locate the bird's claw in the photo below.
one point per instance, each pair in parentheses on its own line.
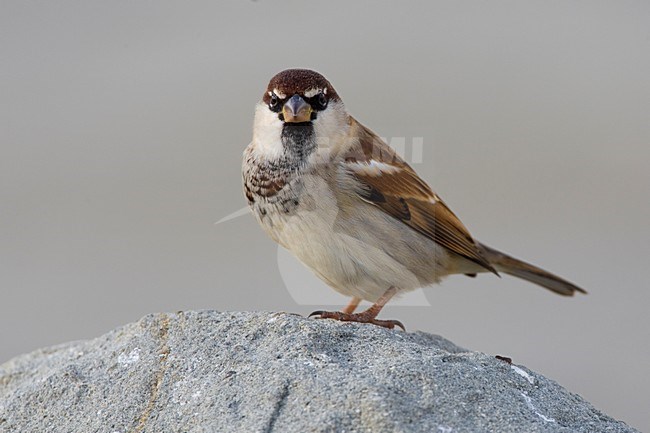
(358,317)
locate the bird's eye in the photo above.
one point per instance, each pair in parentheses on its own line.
(321,101)
(274,102)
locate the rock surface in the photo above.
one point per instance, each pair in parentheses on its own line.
(276,372)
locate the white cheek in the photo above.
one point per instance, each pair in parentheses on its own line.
(331,127)
(267,131)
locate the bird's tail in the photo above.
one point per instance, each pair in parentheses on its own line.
(517,268)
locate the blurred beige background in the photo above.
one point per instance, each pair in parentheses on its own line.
(123,123)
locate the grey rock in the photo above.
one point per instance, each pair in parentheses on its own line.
(262,372)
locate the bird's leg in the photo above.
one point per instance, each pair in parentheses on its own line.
(367,316)
(354,303)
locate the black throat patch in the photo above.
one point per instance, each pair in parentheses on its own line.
(298,140)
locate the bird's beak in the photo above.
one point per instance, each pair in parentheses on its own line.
(296,110)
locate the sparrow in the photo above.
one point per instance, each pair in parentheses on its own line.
(341,200)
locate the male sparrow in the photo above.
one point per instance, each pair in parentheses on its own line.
(344,203)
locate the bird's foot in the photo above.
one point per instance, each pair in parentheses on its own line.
(363,317)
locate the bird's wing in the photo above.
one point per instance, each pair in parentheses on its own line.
(388,182)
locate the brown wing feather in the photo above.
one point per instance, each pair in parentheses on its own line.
(400,192)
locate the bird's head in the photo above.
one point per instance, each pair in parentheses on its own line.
(299,109)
